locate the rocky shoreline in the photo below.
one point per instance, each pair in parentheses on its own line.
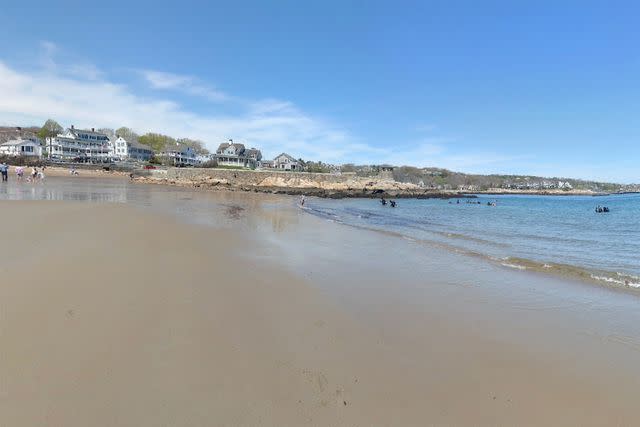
(348,189)
(371,192)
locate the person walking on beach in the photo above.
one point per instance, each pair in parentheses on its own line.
(19,172)
(302,199)
(4,170)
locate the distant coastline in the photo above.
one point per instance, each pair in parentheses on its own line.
(320,185)
(323,185)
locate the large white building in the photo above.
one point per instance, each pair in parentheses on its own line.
(22,147)
(121,149)
(80,145)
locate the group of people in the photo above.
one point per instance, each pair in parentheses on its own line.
(602,209)
(20,173)
(384,202)
(474,202)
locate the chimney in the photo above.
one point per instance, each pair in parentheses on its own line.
(93,129)
(72,127)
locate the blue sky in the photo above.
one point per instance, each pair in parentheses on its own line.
(549,88)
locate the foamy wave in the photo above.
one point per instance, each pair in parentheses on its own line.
(516,266)
(624,280)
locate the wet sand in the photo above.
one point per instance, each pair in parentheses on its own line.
(112,315)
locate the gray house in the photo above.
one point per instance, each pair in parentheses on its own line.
(287,162)
(233,154)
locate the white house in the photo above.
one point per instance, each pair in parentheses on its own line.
(286,162)
(203,158)
(233,154)
(122,149)
(84,145)
(21,147)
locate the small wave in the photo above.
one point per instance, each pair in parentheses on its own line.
(601,277)
(624,281)
(516,266)
(452,235)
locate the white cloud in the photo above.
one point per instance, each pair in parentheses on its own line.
(88,100)
(186,84)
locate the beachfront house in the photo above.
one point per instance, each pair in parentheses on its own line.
(234,154)
(180,156)
(22,147)
(121,149)
(80,145)
(203,158)
(266,164)
(286,162)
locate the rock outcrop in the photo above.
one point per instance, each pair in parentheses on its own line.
(295,183)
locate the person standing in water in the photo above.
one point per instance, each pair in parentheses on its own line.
(4,170)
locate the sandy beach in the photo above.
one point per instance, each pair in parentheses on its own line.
(112,315)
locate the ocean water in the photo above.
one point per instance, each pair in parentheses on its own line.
(554,234)
(560,235)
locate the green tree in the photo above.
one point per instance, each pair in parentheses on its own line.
(127,134)
(197,146)
(49,129)
(157,141)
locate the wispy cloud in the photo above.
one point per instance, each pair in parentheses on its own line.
(85,97)
(187,84)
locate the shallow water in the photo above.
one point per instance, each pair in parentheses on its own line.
(563,234)
(560,235)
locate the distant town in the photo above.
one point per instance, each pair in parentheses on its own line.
(54,144)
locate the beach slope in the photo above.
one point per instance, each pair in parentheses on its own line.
(111,316)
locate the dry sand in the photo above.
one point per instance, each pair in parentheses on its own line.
(114,317)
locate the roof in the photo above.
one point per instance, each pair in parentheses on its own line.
(287,156)
(19,141)
(253,152)
(225,145)
(87,131)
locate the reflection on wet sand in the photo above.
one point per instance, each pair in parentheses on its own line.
(218,209)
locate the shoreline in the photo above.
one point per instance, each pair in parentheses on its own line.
(297,185)
(614,280)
